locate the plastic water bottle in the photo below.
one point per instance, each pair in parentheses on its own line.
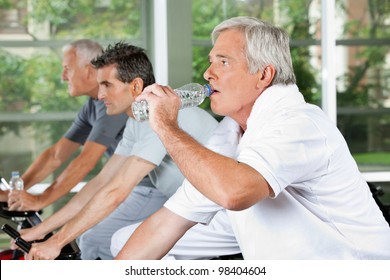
(191,95)
(16,183)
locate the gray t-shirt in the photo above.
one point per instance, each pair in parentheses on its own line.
(141,141)
(93,124)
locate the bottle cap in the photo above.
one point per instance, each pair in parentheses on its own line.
(209,90)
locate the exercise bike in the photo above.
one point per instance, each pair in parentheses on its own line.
(28,219)
(377,192)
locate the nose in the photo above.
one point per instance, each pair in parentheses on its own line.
(101,94)
(207,75)
(64,76)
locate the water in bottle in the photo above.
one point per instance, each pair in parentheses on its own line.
(16,182)
(191,95)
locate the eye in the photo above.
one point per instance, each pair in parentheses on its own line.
(104,84)
(224,62)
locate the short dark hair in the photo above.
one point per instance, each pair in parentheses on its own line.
(131,62)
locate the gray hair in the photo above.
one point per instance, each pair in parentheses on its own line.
(265,45)
(86,50)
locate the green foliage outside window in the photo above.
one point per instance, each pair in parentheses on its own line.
(33,85)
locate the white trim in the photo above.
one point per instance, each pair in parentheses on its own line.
(39,188)
(160,41)
(377,176)
(328,52)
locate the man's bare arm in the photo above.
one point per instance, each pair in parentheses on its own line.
(227,182)
(70,177)
(100,206)
(155,236)
(74,206)
(48,161)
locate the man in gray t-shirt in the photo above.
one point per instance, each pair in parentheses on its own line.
(92,124)
(123,72)
(93,129)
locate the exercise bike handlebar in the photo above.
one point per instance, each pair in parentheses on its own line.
(28,219)
(69,252)
(22,244)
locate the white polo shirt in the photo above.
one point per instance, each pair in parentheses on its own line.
(322,209)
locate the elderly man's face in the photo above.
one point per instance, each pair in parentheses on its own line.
(236,89)
(81,78)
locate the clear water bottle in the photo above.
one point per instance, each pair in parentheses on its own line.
(16,183)
(191,95)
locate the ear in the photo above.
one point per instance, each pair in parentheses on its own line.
(136,86)
(91,71)
(266,76)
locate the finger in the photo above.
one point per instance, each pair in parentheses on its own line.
(11,195)
(154,89)
(28,256)
(11,205)
(169,91)
(33,254)
(14,196)
(143,95)
(13,245)
(166,91)
(15,206)
(148,88)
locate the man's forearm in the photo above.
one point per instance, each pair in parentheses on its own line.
(225,181)
(63,215)
(68,179)
(47,162)
(42,167)
(188,153)
(113,184)
(154,238)
(3,196)
(99,207)
(71,209)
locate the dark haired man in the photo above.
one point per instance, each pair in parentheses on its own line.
(123,72)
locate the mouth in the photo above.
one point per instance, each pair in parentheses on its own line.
(213,90)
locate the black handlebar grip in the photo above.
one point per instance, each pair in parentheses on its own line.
(10,231)
(22,244)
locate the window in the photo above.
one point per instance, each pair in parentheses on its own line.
(362,70)
(35,108)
